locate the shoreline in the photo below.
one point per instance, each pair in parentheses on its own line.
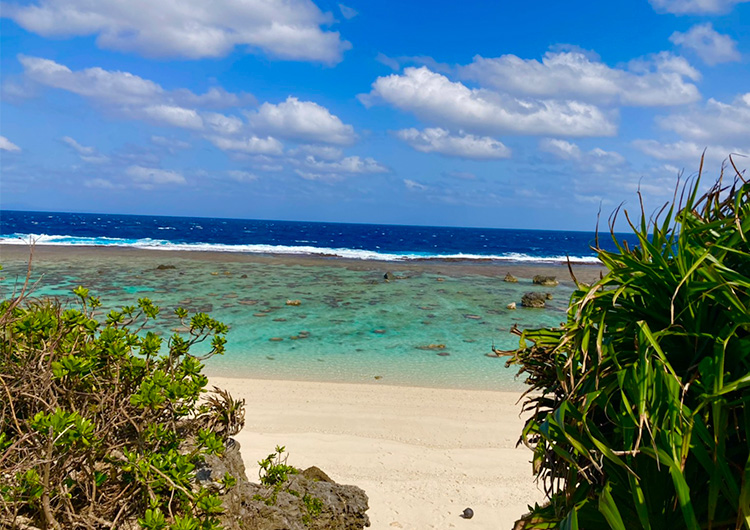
(449,267)
(422,455)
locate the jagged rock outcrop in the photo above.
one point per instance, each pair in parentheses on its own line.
(307,500)
(510,278)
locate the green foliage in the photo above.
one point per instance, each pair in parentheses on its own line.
(638,415)
(102,421)
(274,469)
(274,473)
(314,507)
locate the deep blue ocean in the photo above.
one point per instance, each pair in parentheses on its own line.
(358,241)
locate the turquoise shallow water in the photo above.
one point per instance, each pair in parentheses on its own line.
(350,326)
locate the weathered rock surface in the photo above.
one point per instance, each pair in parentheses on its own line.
(547,281)
(308,500)
(510,278)
(533,300)
(388,276)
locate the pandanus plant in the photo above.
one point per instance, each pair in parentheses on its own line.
(637,404)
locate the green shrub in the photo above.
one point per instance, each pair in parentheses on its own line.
(102,423)
(638,415)
(273,470)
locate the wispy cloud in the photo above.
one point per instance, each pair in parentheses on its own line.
(708,44)
(7,145)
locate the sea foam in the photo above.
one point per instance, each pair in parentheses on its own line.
(304,250)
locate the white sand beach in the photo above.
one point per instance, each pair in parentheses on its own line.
(422,455)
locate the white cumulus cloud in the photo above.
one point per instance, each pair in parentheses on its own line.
(173,115)
(718,128)
(116,87)
(302,120)
(435,98)
(560,148)
(662,79)
(711,46)
(223,124)
(7,145)
(251,145)
(437,140)
(193,29)
(715,122)
(695,7)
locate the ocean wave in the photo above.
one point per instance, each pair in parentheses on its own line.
(347,253)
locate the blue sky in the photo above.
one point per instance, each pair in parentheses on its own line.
(473,113)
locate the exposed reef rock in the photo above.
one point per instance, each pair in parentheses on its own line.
(533,300)
(307,500)
(546,281)
(510,278)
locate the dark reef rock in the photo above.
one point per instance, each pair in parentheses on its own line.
(510,278)
(546,281)
(307,500)
(165,267)
(388,276)
(533,300)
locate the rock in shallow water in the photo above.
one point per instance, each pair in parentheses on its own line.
(533,300)
(547,281)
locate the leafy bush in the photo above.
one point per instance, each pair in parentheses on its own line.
(100,424)
(638,403)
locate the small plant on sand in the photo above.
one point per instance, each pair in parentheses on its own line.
(102,423)
(640,403)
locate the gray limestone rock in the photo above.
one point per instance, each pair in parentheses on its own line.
(308,500)
(533,300)
(546,281)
